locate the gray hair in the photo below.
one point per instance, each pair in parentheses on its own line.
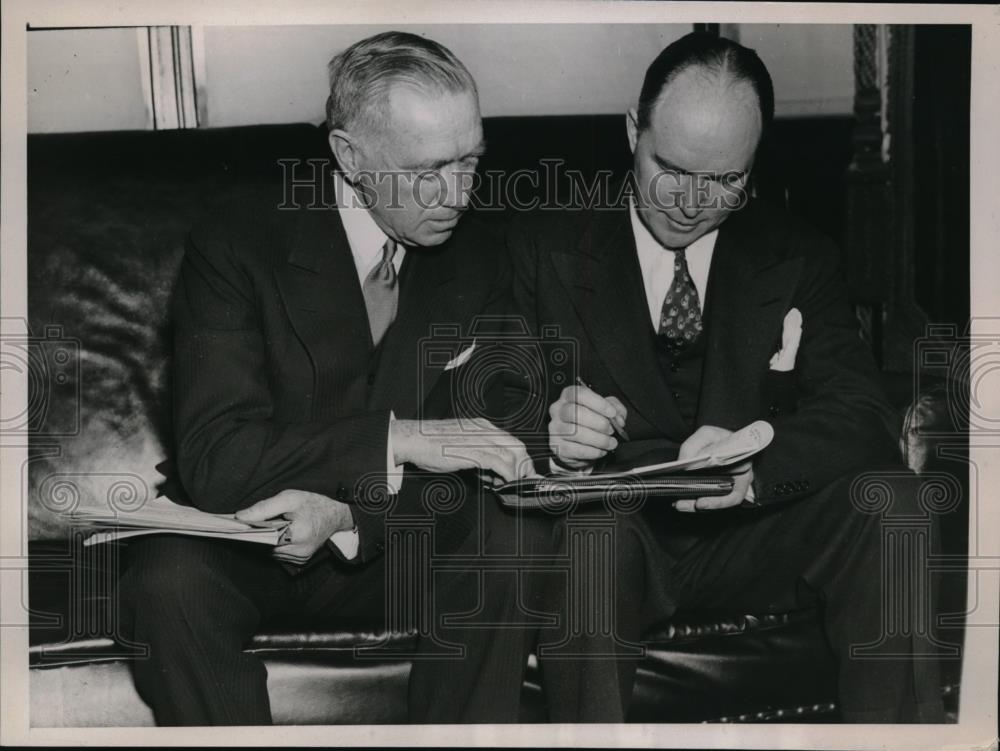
(361,76)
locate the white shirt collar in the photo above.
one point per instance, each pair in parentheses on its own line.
(364,236)
(657,264)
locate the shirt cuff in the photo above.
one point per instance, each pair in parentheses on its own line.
(393,471)
(560,471)
(347,541)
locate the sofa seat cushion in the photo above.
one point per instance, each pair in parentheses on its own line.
(695,667)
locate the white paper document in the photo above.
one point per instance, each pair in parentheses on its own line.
(161,515)
(737,448)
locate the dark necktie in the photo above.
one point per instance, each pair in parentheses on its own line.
(680,316)
(381,293)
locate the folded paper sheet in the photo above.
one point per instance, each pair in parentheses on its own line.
(162,516)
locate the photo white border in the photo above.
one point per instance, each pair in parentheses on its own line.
(978,709)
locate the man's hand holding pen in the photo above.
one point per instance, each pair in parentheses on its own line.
(583,426)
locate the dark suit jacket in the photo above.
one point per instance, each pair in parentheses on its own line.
(276,384)
(580,271)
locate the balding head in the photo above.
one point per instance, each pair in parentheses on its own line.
(712,119)
(718,61)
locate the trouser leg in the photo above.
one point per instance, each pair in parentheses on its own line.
(881,604)
(845,554)
(614,588)
(196,603)
(470,664)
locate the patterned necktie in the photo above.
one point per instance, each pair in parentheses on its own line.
(381,293)
(680,316)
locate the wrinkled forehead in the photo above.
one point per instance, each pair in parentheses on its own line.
(419,105)
(421,118)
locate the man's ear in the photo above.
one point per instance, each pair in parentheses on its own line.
(632,127)
(345,151)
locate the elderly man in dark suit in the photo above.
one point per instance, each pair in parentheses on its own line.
(680,299)
(300,393)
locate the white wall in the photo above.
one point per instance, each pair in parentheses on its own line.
(278,74)
(85,79)
(92,79)
(812,66)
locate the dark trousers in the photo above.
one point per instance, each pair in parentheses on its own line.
(197,603)
(581,589)
(859,552)
(503,594)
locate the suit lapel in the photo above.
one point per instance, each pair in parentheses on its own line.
(322,296)
(604,282)
(749,292)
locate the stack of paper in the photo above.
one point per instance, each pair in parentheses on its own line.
(162,516)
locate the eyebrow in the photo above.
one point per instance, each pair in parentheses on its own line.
(476,153)
(671,167)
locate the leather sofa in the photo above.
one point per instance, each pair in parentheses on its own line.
(107,215)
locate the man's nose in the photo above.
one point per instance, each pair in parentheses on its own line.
(456,187)
(689,206)
(693,199)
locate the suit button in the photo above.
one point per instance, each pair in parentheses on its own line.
(379,547)
(341,492)
(773,410)
(371,379)
(674,367)
(675,395)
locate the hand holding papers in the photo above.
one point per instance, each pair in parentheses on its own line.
(163,516)
(673,479)
(733,449)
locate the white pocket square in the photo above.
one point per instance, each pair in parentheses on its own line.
(791,334)
(461,358)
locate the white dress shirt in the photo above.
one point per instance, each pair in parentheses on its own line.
(657,264)
(364,236)
(367,240)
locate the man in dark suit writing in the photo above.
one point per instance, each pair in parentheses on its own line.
(678,300)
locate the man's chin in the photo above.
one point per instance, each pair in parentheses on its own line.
(429,238)
(671,239)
